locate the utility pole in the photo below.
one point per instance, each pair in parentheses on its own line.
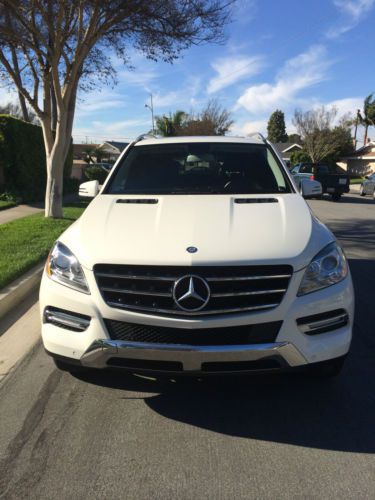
(151,108)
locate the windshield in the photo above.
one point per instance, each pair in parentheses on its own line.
(199,168)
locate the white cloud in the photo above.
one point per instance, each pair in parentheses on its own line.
(231,69)
(348,105)
(181,98)
(142,78)
(352,12)
(301,72)
(249,127)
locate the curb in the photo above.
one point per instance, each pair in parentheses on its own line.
(14,294)
(354,188)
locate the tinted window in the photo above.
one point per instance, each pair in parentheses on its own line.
(202,168)
(306,169)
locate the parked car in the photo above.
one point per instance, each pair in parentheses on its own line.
(197,256)
(333,182)
(368,186)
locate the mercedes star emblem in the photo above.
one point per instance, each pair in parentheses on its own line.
(191,293)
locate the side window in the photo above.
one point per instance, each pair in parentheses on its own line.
(295,170)
(305,169)
(276,171)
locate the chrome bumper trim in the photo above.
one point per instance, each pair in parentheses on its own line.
(59,318)
(333,322)
(191,357)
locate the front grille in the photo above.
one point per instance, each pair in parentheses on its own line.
(234,289)
(262,333)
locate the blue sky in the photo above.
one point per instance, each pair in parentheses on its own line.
(278,54)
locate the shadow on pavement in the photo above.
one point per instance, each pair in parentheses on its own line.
(292,408)
(349,198)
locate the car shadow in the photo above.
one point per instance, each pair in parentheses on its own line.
(352,199)
(293,408)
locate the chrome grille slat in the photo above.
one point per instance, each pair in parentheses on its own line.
(135,292)
(135,277)
(197,313)
(234,289)
(249,278)
(242,294)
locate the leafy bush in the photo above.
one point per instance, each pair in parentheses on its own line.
(299,157)
(11,197)
(96,174)
(22,158)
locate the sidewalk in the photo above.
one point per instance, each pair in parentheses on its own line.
(18,212)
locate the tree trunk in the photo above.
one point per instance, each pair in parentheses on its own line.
(25,113)
(365,137)
(54,188)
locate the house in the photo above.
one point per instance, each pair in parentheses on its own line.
(361,162)
(111,150)
(82,153)
(285,149)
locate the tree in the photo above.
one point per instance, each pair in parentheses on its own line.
(299,156)
(294,138)
(212,120)
(170,126)
(17,111)
(368,117)
(323,140)
(61,46)
(276,127)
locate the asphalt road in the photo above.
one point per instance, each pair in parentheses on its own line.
(113,436)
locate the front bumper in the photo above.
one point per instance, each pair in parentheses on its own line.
(156,357)
(292,347)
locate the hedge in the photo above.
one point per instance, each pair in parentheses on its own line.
(22,159)
(96,174)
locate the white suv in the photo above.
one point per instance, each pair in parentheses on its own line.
(198,255)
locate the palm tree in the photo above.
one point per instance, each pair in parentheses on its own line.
(368,118)
(170,126)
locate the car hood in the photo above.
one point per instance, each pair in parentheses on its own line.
(224,229)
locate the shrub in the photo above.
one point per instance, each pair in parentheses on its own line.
(96,174)
(22,158)
(299,157)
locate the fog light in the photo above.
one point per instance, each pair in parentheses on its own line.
(66,319)
(323,322)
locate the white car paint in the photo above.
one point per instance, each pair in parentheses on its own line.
(226,233)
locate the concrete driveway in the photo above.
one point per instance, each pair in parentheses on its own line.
(118,436)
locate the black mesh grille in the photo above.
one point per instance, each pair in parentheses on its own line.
(233,289)
(238,335)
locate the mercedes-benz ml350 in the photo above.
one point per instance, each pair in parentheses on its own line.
(198,255)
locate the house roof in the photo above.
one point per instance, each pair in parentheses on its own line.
(80,149)
(285,149)
(120,146)
(366,152)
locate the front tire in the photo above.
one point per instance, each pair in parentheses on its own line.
(362,191)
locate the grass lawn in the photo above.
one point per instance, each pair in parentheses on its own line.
(27,241)
(357,180)
(6,204)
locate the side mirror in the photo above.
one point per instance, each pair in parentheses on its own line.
(310,189)
(89,189)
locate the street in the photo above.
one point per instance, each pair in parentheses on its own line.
(117,435)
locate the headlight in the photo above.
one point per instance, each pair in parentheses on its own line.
(327,268)
(62,266)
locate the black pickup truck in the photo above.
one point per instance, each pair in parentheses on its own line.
(333,182)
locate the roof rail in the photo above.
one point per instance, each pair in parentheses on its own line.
(258,135)
(143,137)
